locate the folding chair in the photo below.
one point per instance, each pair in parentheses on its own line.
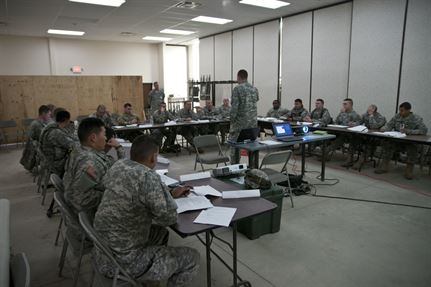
(25,124)
(278,177)
(208,151)
(80,246)
(59,187)
(20,270)
(6,125)
(120,273)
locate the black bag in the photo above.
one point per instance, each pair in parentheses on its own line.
(298,185)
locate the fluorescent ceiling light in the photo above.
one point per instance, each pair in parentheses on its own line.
(113,3)
(272,4)
(65,32)
(176,32)
(211,20)
(160,39)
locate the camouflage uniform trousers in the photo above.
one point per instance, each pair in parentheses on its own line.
(353,141)
(390,147)
(234,152)
(169,133)
(177,264)
(209,129)
(188,132)
(224,130)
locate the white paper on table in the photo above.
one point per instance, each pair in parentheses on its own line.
(170,123)
(392,134)
(216,216)
(132,125)
(270,142)
(192,203)
(241,193)
(203,121)
(305,123)
(161,171)
(120,140)
(161,159)
(126,145)
(239,180)
(194,176)
(206,190)
(338,126)
(167,180)
(360,128)
(146,126)
(117,127)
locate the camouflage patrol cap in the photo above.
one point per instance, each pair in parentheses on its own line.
(257,179)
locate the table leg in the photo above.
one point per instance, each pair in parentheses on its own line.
(322,172)
(208,254)
(234,251)
(253,159)
(302,159)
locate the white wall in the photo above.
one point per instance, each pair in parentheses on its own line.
(175,67)
(55,56)
(242,52)
(416,69)
(206,57)
(222,65)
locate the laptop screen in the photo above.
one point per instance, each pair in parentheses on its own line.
(282,130)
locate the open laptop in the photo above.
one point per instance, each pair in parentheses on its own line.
(284,132)
(246,135)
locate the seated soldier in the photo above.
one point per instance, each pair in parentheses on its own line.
(320,115)
(56,142)
(210,113)
(186,114)
(276,111)
(87,165)
(132,218)
(102,114)
(223,113)
(161,116)
(298,113)
(346,117)
(405,122)
(373,120)
(128,118)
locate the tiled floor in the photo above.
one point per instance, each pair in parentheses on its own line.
(323,241)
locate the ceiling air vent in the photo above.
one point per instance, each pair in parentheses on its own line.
(187,5)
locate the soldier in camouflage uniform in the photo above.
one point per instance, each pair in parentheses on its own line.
(320,115)
(29,154)
(373,120)
(243,114)
(210,113)
(127,118)
(409,123)
(346,117)
(102,114)
(156,96)
(186,114)
(56,142)
(298,113)
(132,218)
(86,166)
(223,113)
(276,111)
(161,116)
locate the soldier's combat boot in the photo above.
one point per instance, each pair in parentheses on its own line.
(383,168)
(408,173)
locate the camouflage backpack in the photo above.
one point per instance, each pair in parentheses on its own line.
(256,179)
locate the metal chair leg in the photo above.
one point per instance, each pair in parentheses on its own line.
(58,231)
(62,257)
(78,265)
(45,187)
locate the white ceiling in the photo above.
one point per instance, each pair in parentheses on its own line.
(141,17)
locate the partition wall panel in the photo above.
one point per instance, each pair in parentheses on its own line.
(242,52)
(223,65)
(206,57)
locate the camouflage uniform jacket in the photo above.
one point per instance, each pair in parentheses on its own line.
(243,113)
(200,115)
(56,143)
(134,199)
(298,114)
(156,97)
(210,114)
(413,124)
(374,122)
(106,119)
(81,191)
(126,119)
(36,128)
(277,113)
(223,112)
(184,114)
(162,117)
(321,116)
(344,118)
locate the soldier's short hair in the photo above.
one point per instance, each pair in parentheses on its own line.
(62,116)
(162,103)
(298,101)
(320,100)
(100,107)
(406,105)
(243,74)
(143,147)
(43,109)
(374,107)
(276,101)
(89,126)
(126,105)
(56,110)
(348,100)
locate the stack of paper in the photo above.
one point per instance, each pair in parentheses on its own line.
(360,128)
(171,123)
(195,176)
(269,142)
(168,180)
(241,193)
(338,126)
(192,203)
(392,134)
(161,171)
(206,190)
(161,159)
(216,216)
(146,126)
(132,125)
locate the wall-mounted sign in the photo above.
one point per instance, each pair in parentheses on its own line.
(76,69)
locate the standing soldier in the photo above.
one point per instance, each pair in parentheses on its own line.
(243,114)
(162,116)
(411,124)
(156,96)
(277,111)
(223,113)
(298,113)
